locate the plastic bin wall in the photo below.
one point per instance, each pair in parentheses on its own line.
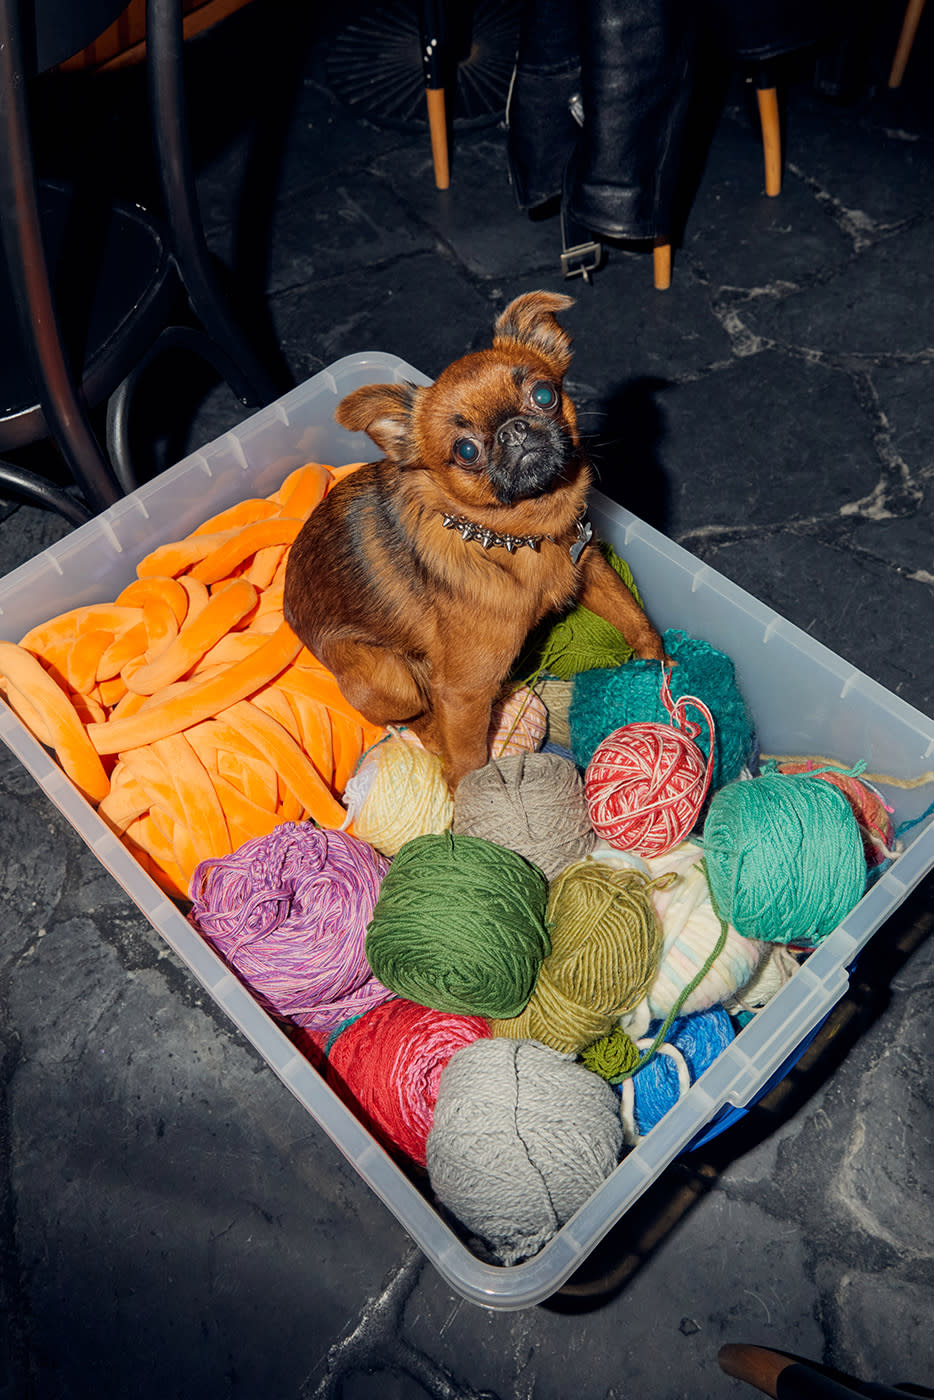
(804,700)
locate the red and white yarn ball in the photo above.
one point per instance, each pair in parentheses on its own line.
(518,724)
(644,787)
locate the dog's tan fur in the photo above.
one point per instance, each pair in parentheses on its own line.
(420,626)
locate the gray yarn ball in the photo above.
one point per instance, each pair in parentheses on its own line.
(521,1137)
(531,803)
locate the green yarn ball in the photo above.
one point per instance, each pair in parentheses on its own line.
(613,1056)
(580,640)
(784,857)
(459,926)
(605,700)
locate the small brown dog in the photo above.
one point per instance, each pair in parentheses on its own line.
(418,578)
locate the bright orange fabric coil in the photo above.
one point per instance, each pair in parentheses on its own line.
(187,711)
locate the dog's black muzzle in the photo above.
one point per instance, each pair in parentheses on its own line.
(527,458)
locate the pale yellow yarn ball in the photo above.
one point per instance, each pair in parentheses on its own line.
(396,794)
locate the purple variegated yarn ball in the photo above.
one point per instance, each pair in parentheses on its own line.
(289,913)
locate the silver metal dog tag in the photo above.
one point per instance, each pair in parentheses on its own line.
(584,536)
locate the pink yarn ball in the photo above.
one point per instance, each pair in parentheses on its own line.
(644,787)
(518,724)
(289,913)
(387,1065)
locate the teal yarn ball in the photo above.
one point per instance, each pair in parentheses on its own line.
(459,926)
(784,857)
(605,700)
(521,1137)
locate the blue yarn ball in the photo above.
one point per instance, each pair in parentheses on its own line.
(697,1041)
(605,700)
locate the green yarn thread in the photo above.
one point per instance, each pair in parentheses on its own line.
(784,857)
(459,926)
(616,1062)
(580,640)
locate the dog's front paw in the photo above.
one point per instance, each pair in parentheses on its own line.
(650,647)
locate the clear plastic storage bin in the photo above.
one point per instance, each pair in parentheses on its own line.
(803,698)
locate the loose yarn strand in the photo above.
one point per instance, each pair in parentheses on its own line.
(526,701)
(832,765)
(672,1016)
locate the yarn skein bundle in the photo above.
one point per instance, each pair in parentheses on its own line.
(646,783)
(784,857)
(460,926)
(606,700)
(522,1136)
(605,947)
(289,912)
(530,803)
(556,697)
(872,815)
(692,1045)
(518,724)
(778,965)
(691,930)
(396,794)
(387,1065)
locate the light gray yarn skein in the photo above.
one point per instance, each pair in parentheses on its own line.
(531,803)
(522,1136)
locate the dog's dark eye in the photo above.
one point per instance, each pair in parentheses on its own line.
(466,451)
(544,395)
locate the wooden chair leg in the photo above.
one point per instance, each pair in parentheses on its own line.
(905,40)
(758,1366)
(438,130)
(435,62)
(777,1372)
(771,139)
(661,260)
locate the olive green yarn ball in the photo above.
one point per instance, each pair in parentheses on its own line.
(580,640)
(459,926)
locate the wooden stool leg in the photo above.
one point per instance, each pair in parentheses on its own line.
(771,139)
(905,40)
(661,260)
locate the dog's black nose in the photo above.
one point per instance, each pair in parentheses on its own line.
(513,433)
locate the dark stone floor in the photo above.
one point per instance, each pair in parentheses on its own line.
(172,1222)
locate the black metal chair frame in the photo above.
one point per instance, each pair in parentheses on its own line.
(63,401)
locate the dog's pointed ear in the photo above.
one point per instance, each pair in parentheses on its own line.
(384,411)
(530,320)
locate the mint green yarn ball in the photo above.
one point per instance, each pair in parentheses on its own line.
(784,857)
(459,926)
(603,701)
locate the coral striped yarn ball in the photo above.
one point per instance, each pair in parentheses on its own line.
(645,786)
(388,1062)
(869,809)
(518,724)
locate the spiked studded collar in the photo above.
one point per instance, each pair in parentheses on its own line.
(492,539)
